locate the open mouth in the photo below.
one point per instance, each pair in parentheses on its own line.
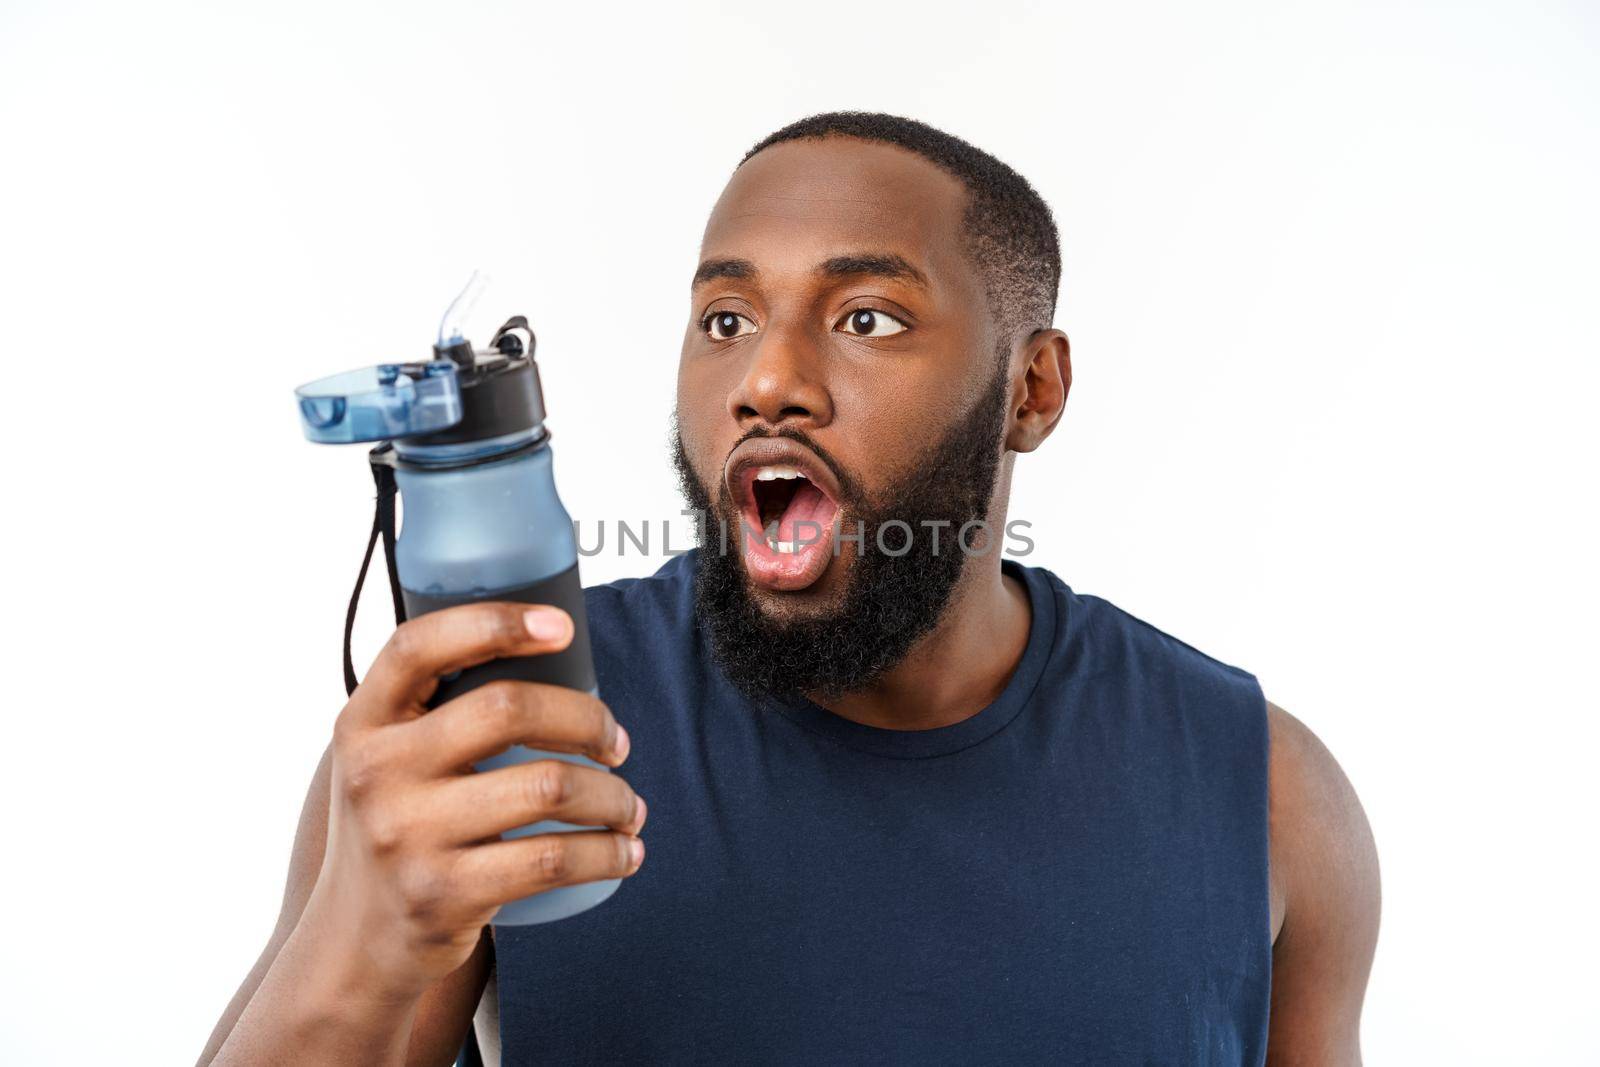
(788,509)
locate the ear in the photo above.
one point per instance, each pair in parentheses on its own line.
(1039,395)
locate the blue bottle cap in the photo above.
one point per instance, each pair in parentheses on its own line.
(382,402)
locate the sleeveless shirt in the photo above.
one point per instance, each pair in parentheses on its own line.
(1077,873)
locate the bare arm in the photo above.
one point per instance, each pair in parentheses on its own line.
(380,953)
(1325,870)
(445,1011)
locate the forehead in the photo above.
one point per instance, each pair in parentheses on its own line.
(800,202)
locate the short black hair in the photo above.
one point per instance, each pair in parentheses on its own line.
(1011,235)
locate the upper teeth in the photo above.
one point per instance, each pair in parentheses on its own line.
(768,474)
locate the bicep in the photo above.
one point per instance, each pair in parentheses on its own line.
(1325,860)
(446,1010)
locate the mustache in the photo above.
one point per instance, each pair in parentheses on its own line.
(848,486)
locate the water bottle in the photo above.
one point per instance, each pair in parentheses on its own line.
(465,435)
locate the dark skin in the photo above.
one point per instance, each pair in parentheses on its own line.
(870,401)
(386,901)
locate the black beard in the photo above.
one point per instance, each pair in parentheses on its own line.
(889,602)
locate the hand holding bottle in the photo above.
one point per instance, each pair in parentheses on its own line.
(414,865)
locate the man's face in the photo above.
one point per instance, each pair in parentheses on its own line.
(842,308)
(839,333)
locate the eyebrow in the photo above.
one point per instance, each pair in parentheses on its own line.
(873,264)
(723,268)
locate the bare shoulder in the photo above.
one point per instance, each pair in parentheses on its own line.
(1326,899)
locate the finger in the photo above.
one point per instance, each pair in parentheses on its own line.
(493,717)
(475,806)
(502,871)
(408,667)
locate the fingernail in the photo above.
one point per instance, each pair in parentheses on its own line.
(545,625)
(624,743)
(636,850)
(640,811)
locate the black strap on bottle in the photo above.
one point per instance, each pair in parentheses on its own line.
(381,460)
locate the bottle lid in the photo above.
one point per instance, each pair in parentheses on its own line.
(381,402)
(499,395)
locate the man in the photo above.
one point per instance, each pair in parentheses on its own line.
(908,801)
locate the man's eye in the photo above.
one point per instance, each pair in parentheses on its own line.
(724,325)
(869,323)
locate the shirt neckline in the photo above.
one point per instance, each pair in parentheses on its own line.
(946,740)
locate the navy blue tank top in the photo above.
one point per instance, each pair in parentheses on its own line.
(1075,874)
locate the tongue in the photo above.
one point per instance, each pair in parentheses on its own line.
(808,516)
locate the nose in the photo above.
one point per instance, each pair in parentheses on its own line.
(783,385)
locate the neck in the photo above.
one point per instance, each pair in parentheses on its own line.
(961,666)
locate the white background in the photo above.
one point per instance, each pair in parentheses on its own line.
(1329,275)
